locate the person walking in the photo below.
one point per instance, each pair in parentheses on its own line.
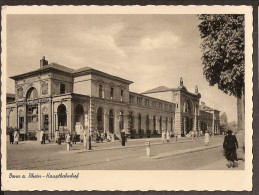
(41,136)
(176,135)
(16,136)
(123,138)
(163,136)
(74,137)
(11,136)
(230,146)
(207,138)
(56,136)
(167,136)
(68,141)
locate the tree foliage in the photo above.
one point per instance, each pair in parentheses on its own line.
(223,119)
(223,51)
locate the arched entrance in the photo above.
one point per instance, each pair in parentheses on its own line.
(62,116)
(111,121)
(154,123)
(31,110)
(100,119)
(79,114)
(147,122)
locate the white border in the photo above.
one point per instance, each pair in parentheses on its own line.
(138,180)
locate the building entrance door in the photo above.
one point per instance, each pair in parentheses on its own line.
(111,121)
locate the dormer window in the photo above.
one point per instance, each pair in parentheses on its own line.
(62,88)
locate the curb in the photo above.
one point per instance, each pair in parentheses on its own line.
(187,151)
(135,146)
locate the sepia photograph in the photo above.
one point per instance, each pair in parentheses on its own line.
(105,90)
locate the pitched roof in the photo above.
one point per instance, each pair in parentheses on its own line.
(205,108)
(157,89)
(58,67)
(81,69)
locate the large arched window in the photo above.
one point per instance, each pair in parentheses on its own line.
(154,123)
(139,121)
(111,121)
(79,114)
(160,124)
(62,115)
(131,121)
(32,93)
(147,122)
(100,119)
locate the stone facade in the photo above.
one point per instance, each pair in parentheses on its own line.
(55,97)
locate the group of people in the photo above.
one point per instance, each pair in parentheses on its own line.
(166,136)
(68,137)
(14,137)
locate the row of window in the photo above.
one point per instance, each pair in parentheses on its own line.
(155,104)
(101,93)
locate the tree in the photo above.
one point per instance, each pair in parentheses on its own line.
(223,119)
(223,55)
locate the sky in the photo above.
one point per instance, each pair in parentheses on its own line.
(150,50)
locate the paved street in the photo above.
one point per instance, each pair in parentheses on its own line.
(186,154)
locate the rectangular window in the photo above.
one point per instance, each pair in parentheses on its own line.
(146,102)
(100,91)
(121,95)
(154,104)
(21,122)
(131,99)
(160,105)
(62,88)
(139,100)
(112,93)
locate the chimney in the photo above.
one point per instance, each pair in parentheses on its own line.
(196,89)
(43,62)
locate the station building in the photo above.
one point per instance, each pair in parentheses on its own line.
(55,97)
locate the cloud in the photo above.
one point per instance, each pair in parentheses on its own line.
(164,40)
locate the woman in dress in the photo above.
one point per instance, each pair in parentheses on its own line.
(230,145)
(207,138)
(16,136)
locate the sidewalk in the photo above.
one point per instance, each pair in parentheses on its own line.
(222,165)
(186,151)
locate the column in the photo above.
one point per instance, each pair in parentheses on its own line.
(195,121)
(213,124)
(106,121)
(184,126)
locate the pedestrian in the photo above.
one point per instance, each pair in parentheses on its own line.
(74,137)
(207,138)
(16,136)
(41,136)
(68,141)
(192,134)
(123,138)
(56,136)
(163,136)
(176,135)
(11,136)
(230,146)
(168,136)
(44,137)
